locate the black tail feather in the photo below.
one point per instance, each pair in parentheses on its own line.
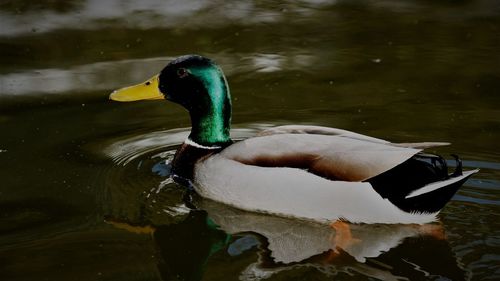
(418,171)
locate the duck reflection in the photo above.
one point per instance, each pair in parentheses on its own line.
(186,246)
(385,252)
(294,241)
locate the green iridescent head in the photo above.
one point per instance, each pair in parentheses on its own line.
(199,85)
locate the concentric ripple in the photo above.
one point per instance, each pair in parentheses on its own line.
(139,189)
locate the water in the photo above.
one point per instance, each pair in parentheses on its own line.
(84,191)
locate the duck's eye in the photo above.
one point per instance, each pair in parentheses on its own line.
(147,83)
(182,72)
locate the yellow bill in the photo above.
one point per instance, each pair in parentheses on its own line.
(147,90)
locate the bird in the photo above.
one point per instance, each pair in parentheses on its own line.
(304,172)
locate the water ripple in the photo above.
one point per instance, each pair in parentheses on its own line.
(138,183)
(488,184)
(124,151)
(482,164)
(476,200)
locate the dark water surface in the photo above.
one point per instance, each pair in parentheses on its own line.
(84,188)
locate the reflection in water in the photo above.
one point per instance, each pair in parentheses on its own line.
(112,74)
(36,16)
(144,14)
(293,243)
(88,77)
(187,245)
(384,252)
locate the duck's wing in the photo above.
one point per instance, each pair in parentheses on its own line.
(327,131)
(331,156)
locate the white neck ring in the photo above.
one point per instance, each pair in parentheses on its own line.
(195,144)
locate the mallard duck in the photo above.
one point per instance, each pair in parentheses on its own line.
(307,172)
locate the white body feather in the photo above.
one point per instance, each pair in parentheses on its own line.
(297,193)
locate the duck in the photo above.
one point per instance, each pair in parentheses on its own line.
(304,172)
